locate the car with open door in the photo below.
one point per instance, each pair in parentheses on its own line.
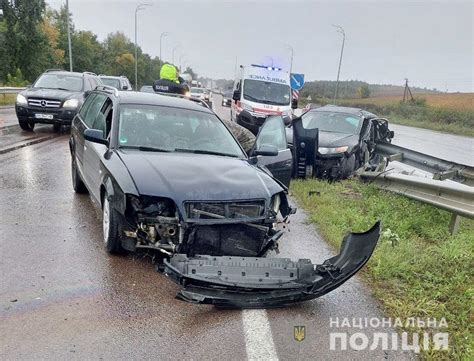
(169,176)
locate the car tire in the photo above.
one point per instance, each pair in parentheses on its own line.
(77,183)
(111,227)
(56,128)
(25,125)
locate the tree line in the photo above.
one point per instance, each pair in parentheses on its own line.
(33,38)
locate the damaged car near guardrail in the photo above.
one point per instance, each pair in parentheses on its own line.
(170,176)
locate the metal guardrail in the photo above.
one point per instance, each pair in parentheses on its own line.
(453,197)
(10,90)
(441,169)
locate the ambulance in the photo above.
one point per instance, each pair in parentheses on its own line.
(259,92)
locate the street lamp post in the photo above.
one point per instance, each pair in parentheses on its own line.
(341,31)
(137,9)
(68,35)
(162,35)
(292,52)
(172,54)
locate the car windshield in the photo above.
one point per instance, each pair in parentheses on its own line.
(197,90)
(332,122)
(60,81)
(266,92)
(111,82)
(157,128)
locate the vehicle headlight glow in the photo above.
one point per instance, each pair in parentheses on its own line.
(187,94)
(21,99)
(336,150)
(275,204)
(71,103)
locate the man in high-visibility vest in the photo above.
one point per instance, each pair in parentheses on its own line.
(169,82)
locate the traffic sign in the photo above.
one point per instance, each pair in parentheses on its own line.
(296,81)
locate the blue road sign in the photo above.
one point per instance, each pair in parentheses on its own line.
(296,81)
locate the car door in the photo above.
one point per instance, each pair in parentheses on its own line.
(273,133)
(77,132)
(89,163)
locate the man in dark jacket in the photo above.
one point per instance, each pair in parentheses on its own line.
(168,82)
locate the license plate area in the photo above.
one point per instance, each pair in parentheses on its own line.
(43,116)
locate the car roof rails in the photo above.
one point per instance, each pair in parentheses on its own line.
(89,72)
(49,70)
(196,100)
(107,89)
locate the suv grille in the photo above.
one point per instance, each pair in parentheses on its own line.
(225,210)
(44,103)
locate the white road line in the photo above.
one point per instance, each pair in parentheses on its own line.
(258,335)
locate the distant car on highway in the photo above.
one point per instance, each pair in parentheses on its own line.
(201,93)
(338,140)
(118,82)
(147,89)
(54,98)
(170,177)
(227,98)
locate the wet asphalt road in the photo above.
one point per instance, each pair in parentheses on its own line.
(62,296)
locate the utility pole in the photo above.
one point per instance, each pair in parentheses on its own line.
(341,31)
(68,35)
(291,60)
(407,91)
(162,35)
(137,9)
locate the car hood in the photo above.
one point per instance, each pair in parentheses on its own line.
(330,139)
(51,93)
(183,177)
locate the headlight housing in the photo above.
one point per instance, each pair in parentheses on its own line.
(335,150)
(71,103)
(21,99)
(275,203)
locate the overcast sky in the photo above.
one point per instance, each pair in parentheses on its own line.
(430,43)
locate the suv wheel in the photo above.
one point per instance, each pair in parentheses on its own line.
(112,227)
(26,125)
(77,183)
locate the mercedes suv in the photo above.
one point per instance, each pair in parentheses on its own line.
(54,98)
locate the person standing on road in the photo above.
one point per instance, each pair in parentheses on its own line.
(244,136)
(169,82)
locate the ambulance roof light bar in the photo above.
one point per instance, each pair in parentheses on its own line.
(266,67)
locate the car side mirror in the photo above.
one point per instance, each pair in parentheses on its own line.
(391,134)
(287,120)
(266,150)
(236,95)
(294,103)
(95,136)
(124,87)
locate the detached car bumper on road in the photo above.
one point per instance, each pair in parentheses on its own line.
(249,282)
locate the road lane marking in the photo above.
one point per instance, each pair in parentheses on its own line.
(258,335)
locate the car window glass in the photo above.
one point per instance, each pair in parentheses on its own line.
(272,133)
(87,104)
(332,122)
(59,81)
(100,122)
(175,129)
(93,83)
(94,109)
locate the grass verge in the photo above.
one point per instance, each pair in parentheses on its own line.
(7,99)
(418,269)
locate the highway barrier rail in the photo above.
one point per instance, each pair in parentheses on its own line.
(451,196)
(10,90)
(440,168)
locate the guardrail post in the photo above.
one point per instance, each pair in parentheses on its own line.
(454,224)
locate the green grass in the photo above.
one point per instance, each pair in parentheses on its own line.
(7,99)
(418,269)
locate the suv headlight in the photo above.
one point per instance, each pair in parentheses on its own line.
(335,150)
(275,203)
(71,103)
(21,99)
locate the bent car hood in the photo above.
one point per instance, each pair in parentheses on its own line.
(249,282)
(330,139)
(185,177)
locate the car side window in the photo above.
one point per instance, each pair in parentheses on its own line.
(87,104)
(93,82)
(272,133)
(103,119)
(94,109)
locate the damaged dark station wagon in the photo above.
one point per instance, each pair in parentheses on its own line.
(170,176)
